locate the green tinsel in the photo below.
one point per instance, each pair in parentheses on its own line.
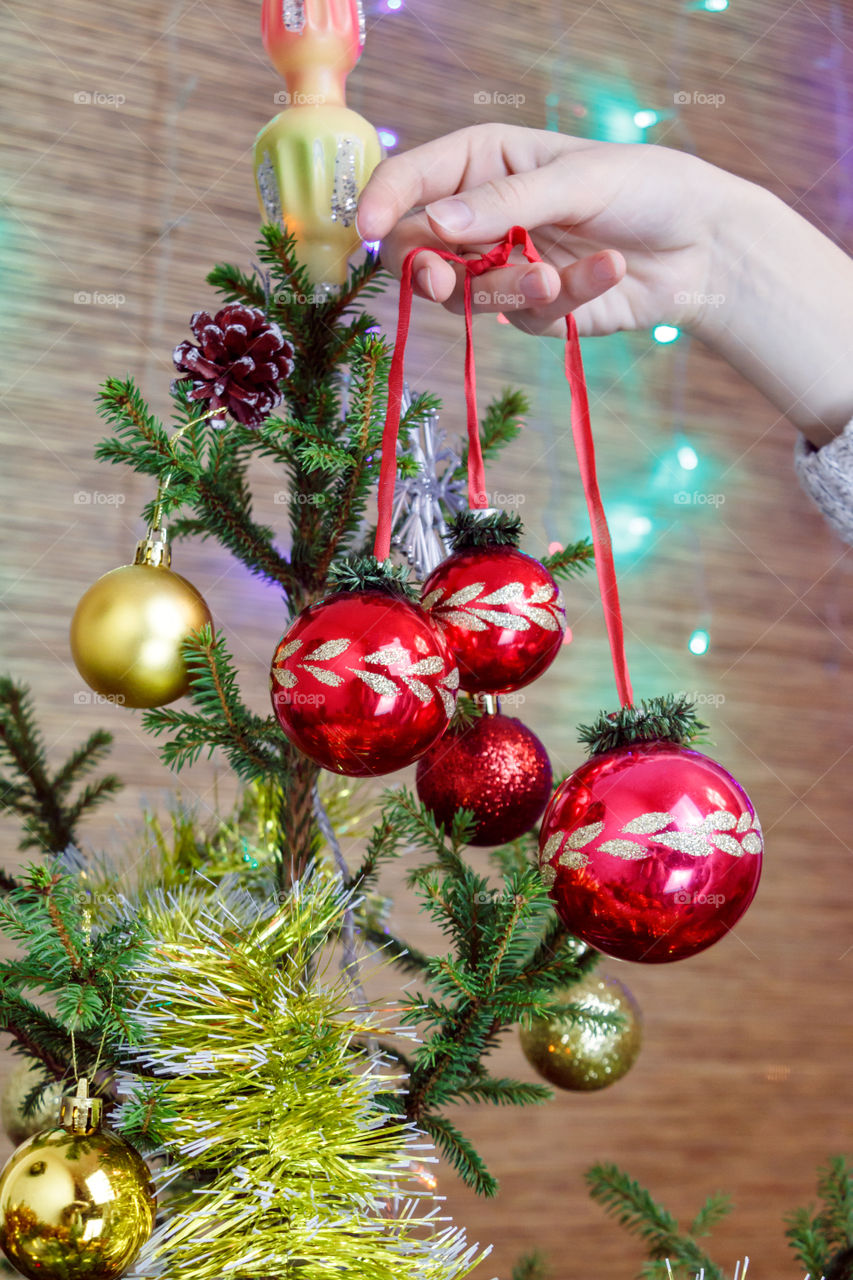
(670,718)
(366,573)
(252,1080)
(470,529)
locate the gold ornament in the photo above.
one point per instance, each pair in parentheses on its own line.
(18,1087)
(76,1201)
(575,1056)
(127,631)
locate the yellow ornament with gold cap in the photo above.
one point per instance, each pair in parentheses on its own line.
(128,630)
(76,1201)
(312,160)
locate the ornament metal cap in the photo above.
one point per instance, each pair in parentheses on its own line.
(154,548)
(78,1113)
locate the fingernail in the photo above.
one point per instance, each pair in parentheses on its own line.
(534,285)
(602,270)
(358,230)
(423,279)
(453,215)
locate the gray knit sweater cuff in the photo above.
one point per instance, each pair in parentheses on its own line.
(827,476)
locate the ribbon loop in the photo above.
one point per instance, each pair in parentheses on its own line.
(496,258)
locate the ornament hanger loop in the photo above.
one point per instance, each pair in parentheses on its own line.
(516,237)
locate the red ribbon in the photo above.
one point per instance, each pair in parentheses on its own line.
(477,498)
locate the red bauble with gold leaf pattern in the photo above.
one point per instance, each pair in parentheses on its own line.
(502,614)
(363,683)
(495,766)
(651,852)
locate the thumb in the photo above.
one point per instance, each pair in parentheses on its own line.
(560,191)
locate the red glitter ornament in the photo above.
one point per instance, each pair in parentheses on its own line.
(495,766)
(363,683)
(651,851)
(502,614)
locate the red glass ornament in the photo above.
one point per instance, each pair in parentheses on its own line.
(651,852)
(502,615)
(495,766)
(363,683)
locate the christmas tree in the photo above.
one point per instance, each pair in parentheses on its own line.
(217,1004)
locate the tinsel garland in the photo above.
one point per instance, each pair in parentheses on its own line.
(258,1087)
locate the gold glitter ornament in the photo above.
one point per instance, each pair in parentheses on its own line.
(576,1056)
(19,1085)
(76,1201)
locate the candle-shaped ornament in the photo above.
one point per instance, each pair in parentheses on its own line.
(312,160)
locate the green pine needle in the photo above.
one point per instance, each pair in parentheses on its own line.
(468,529)
(671,718)
(366,573)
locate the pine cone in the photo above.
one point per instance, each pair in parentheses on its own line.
(238,363)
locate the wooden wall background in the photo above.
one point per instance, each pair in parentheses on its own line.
(744,1082)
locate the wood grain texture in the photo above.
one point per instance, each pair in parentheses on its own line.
(744,1080)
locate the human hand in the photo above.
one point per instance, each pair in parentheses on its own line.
(626,232)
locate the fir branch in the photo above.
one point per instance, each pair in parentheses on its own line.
(222,720)
(500,425)
(459,1153)
(366,573)
(50,818)
(636,1210)
(235,286)
(671,718)
(532,1266)
(572,561)
(248,542)
(472,529)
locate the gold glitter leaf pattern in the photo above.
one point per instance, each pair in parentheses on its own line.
(464,596)
(574,859)
(464,621)
(379,684)
(578,839)
(627,849)
(284,678)
(549,875)
(451,680)
(552,844)
(331,649)
(427,667)
(324,676)
(507,621)
(728,844)
(289,650)
(647,824)
(391,655)
(694,843)
(511,592)
(719,820)
(418,688)
(699,842)
(460,610)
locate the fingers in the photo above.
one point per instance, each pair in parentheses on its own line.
(461,160)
